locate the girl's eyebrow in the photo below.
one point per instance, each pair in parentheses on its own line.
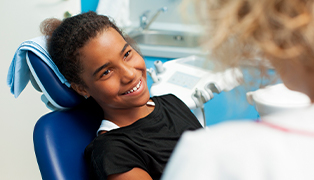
(100,68)
(124,47)
(105,65)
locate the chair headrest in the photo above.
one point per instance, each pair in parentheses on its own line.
(56,95)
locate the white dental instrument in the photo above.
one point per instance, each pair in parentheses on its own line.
(192,80)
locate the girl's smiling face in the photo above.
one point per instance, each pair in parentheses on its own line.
(113,72)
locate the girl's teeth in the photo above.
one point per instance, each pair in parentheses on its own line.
(134,89)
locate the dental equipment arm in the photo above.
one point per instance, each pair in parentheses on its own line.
(191,81)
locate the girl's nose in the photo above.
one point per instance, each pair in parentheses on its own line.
(127,74)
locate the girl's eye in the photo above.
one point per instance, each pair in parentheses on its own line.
(106,72)
(127,54)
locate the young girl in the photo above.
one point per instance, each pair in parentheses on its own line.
(139,133)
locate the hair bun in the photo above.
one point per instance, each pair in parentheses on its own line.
(48,26)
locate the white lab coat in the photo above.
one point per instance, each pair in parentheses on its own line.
(247,150)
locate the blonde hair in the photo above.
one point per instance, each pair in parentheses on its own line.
(242,31)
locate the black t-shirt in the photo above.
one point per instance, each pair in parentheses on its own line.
(146,144)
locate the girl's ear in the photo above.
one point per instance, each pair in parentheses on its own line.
(81,90)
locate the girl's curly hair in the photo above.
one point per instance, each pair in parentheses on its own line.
(66,37)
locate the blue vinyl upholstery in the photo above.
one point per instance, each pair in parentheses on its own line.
(58,92)
(60,137)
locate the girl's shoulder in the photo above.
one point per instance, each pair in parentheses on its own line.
(166,97)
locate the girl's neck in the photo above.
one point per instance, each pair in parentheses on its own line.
(126,117)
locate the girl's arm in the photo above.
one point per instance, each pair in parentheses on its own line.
(133,174)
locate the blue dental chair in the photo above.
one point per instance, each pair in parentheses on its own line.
(60,137)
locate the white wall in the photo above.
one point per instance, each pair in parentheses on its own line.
(20,21)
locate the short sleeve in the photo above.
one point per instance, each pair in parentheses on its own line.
(114,157)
